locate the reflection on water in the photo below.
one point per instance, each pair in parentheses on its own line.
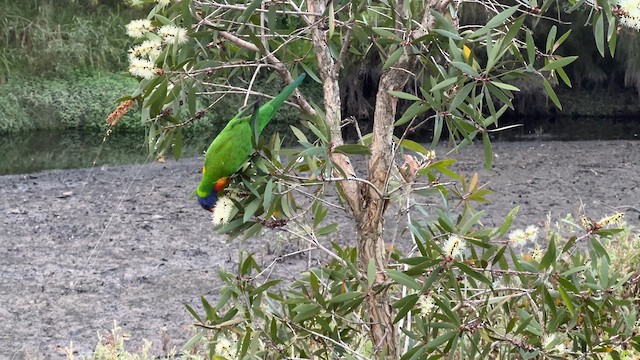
(28,152)
(567,129)
(35,151)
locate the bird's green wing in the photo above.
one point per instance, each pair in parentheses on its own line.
(232,147)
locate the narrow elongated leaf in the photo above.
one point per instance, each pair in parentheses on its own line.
(440,340)
(393,58)
(403,279)
(551,93)
(531,47)
(549,257)
(414,146)
(465,68)
(345,297)
(559,63)
(598,32)
(414,110)
(566,300)
(352,149)
(488,151)
(251,209)
(461,96)
(504,86)
(551,38)
(332,20)
(246,14)
(404,95)
(444,84)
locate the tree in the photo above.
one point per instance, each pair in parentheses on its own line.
(455,77)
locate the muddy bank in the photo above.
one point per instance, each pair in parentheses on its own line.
(81,248)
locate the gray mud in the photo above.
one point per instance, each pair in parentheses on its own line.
(82,248)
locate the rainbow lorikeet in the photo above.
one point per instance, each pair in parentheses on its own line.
(232,147)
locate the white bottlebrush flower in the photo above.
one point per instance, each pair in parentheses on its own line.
(454,246)
(222,211)
(630,16)
(426,304)
(149,49)
(518,238)
(537,253)
(137,28)
(142,68)
(532,233)
(173,34)
(430,155)
(225,348)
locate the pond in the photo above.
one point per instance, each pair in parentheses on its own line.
(40,150)
(34,151)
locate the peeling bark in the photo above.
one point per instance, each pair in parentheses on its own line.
(332,103)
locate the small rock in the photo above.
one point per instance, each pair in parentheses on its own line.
(157,217)
(16,211)
(66,194)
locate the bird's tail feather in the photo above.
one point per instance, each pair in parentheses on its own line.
(269,108)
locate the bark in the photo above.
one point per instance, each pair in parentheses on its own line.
(368,202)
(332,103)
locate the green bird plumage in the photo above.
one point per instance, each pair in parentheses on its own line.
(233,146)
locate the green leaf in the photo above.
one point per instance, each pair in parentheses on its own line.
(371,272)
(386,34)
(531,47)
(550,256)
(562,62)
(309,70)
(414,146)
(327,229)
(299,134)
(488,151)
(566,300)
(444,22)
(406,304)
(448,34)
(178,144)
(268,194)
(444,84)
(435,343)
(472,273)
(504,86)
(346,297)
(507,221)
(354,149)
(393,58)
(551,38)
(461,96)
(404,95)
(598,32)
(414,110)
(251,209)
(403,279)
(332,19)
(465,68)
(495,22)
(551,93)
(305,311)
(246,14)
(193,313)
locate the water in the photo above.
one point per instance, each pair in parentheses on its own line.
(572,129)
(33,151)
(29,152)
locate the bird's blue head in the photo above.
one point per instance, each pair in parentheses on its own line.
(208,202)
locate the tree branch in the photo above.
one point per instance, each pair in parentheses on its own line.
(332,102)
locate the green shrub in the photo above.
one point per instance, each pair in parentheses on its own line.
(81,102)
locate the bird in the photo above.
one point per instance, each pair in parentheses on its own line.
(233,146)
